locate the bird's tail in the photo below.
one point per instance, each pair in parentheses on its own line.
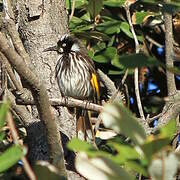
(84,127)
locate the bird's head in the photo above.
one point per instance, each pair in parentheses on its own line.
(66,44)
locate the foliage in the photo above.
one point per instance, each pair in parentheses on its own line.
(12,154)
(104,29)
(146,155)
(110,43)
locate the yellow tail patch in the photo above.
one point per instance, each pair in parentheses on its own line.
(95,85)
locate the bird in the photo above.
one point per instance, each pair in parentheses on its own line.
(77,78)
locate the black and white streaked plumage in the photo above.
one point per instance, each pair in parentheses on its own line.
(74,69)
(76,74)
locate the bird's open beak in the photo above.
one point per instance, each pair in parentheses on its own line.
(53,48)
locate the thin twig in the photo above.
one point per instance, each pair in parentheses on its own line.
(136,82)
(138,98)
(150,120)
(72,10)
(124,77)
(127,95)
(67,102)
(171,112)
(153,41)
(16,141)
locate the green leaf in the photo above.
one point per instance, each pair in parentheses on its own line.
(124,153)
(85,27)
(75,22)
(127,152)
(140,16)
(137,167)
(140,60)
(78,145)
(86,17)
(46,171)
(77,25)
(100,167)
(120,119)
(114,3)
(90,53)
(3,111)
(110,43)
(154,146)
(105,56)
(78,3)
(168,130)
(109,27)
(99,47)
(92,35)
(2,135)
(135,60)
(82,146)
(94,7)
(10,157)
(125,28)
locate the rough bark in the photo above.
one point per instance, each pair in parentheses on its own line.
(40,24)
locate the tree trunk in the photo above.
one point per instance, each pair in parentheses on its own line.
(40,24)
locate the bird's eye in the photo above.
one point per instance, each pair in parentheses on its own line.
(61,50)
(64,45)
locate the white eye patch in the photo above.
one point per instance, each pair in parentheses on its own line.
(75,47)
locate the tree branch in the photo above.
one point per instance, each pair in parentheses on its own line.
(72,10)
(113,92)
(67,102)
(9,70)
(170,112)
(40,96)
(171,109)
(171,85)
(11,27)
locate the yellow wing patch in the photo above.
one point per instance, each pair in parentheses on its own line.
(95,85)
